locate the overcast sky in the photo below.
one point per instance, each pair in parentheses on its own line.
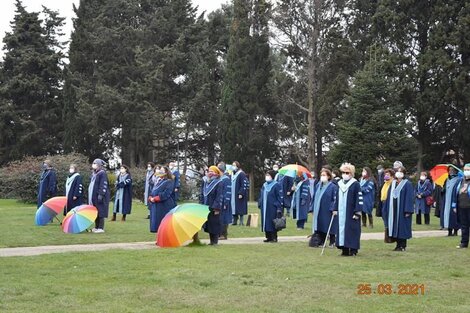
(7,11)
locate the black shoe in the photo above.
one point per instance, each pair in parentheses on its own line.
(267,240)
(399,249)
(461,246)
(274,240)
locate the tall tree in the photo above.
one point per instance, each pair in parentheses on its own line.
(31,79)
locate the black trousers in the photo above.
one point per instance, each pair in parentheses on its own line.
(401,243)
(99,223)
(271,235)
(464,218)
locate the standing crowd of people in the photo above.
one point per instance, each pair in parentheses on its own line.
(340,203)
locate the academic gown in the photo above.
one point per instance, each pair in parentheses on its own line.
(162,188)
(123,198)
(368,194)
(348,203)
(270,203)
(177,185)
(98,192)
(239,206)
(425,189)
(214,198)
(400,201)
(47,186)
(148,186)
(301,201)
(448,216)
(455,198)
(226,206)
(287,182)
(437,195)
(324,203)
(73,188)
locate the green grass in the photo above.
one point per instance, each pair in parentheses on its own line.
(18,228)
(284,277)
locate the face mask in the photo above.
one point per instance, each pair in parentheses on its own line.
(212,175)
(364,174)
(235,168)
(323,179)
(159,173)
(466,173)
(387,177)
(123,171)
(275,168)
(71,171)
(268,178)
(346,177)
(380,171)
(399,175)
(422,177)
(94,166)
(149,168)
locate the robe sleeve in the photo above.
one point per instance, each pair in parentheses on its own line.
(359,199)
(427,190)
(278,198)
(52,188)
(177,179)
(219,199)
(334,193)
(78,192)
(409,198)
(240,187)
(167,191)
(260,198)
(103,186)
(455,195)
(368,187)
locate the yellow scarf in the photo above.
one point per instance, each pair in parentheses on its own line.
(383,195)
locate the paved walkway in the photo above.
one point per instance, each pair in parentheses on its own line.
(30,251)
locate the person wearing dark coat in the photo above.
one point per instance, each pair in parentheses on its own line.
(176,181)
(160,197)
(423,190)
(98,193)
(437,195)
(214,198)
(399,208)
(47,183)
(239,196)
(270,204)
(449,216)
(324,202)
(148,185)
(380,182)
(287,184)
(348,209)
(73,189)
(226,213)
(368,192)
(461,204)
(123,197)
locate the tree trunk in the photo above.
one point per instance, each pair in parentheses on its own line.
(252,187)
(419,166)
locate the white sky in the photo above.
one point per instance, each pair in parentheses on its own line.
(7,11)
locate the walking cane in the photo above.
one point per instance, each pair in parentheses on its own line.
(327,234)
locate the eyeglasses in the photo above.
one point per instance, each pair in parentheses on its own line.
(345,172)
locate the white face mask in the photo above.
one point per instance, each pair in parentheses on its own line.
(94,166)
(122,170)
(268,178)
(466,173)
(399,175)
(422,177)
(346,177)
(364,174)
(323,179)
(275,168)
(71,171)
(235,168)
(149,168)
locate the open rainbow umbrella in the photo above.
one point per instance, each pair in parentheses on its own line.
(49,209)
(439,173)
(294,170)
(79,218)
(181,223)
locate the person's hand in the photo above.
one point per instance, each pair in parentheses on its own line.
(150,199)
(455,210)
(293,188)
(176,189)
(334,213)
(355,217)
(240,196)
(419,196)
(216,212)
(74,198)
(288,193)
(100,198)
(407,214)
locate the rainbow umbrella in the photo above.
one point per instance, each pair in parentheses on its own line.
(79,218)
(439,173)
(180,224)
(294,170)
(49,209)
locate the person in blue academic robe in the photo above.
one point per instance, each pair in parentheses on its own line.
(423,189)
(368,193)
(239,200)
(160,196)
(301,202)
(47,183)
(449,216)
(98,193)
(324,202)
(176,181)
(399,208)
(461,204)
(214,198)
(348,209)
(123,197)
(73,189)
(270,204)
(226,213)
(287,184)
(148,185)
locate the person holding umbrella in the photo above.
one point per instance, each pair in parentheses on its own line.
(348,208)
(160,197)
(47,183)
(98,194)
(73,189)
(270,204)
(214,198)
(123,197)
(399,207)
(423,190)
(323,204)
(301,201)
(461,205)
(449,216)
(239,197)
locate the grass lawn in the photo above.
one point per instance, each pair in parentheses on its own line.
(284,277)
(18,228)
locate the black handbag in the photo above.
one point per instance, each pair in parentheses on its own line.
(279,223)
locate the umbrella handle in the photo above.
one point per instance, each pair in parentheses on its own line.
(58,220)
